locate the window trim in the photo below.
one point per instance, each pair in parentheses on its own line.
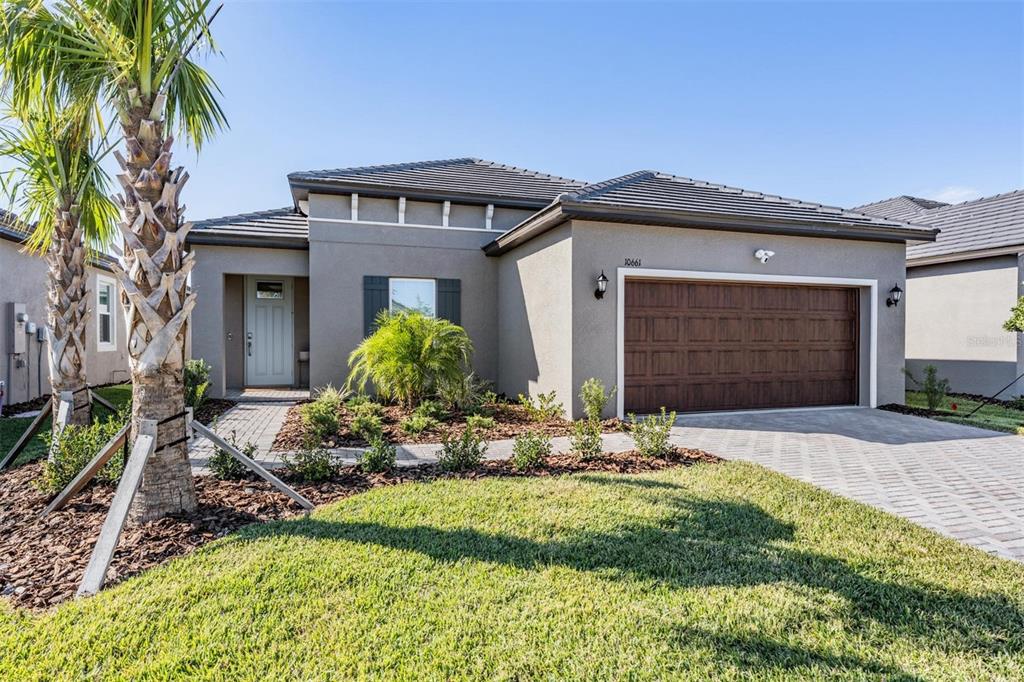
(432,281)
(101,282)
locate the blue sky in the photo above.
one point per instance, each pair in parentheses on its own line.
(837,102)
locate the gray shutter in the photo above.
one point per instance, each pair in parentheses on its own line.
(375,299)
(449,300)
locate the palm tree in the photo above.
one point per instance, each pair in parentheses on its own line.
(60,191)
(133,57)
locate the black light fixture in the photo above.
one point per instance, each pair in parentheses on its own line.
(895,294)
(602,286)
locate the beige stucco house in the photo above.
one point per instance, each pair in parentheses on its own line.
(961,287)
(716,298)
(24,369)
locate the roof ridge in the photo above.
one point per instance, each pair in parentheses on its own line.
(405,165)
(908,197)
(527,171)
(595,189)
(978,200)
(285,210)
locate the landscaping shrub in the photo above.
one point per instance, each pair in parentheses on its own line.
(416,424)
(357,399)
(1016,321)
(651,433)
(462,453)
(197,382)
(367,426)
(75,447)
(594,398)
(312,463)
(480,422)
(225,467)
(467,396)
(934,389)
(320,418)
(379,457)
(430,408)
(544,409)
(586,438)
(410,357)
(367,409)
(329,395)
(529,450)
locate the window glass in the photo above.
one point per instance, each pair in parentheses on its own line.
(272,290)
(413,295)
(105,293)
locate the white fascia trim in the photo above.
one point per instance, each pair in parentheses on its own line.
(652,273)
(378,223)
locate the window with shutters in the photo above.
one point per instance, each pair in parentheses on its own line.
(412,295)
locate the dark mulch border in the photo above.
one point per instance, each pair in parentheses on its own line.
(42,561)
(511,420)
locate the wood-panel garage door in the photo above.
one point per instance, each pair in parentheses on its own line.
(693,346)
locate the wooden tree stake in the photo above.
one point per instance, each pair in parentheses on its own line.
(27,436)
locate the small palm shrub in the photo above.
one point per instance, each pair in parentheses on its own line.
(379,457)
(367,426)
(651,434)
(75,447)
(410,357)
(585,439)
(197,382)
(594,398)
(225,467)
(544,409)
(469,396)
(529,450)
(416,424)
(311,463)
(480,422)
(430,408)
(463,453)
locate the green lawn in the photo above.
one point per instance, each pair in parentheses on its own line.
(995,417)
(711,572)
(11,429)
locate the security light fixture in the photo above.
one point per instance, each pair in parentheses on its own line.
(602,286)
(895,294)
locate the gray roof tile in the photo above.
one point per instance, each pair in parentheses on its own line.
(464,176)
(902,207)
(273,225)
(990,223)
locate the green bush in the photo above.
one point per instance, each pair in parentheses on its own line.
(75,447)
(651,434)
(197,382)
(358,399)
(544,409)
(367,427)
(430,408)
(367,409)
(379,457)
(1016,321)
(463,453)
(416,424)
(469,396)
(320,418)
(329,395)
(934,389)
(225,467)
(410,357)
(480,422)
(529,450)
(312,463)
(594,398)
(586,438)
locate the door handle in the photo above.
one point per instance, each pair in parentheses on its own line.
(248,343)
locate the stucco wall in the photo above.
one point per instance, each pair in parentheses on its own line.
(597,246)
(955,315)
(535,313)
(23,280)
(210,326)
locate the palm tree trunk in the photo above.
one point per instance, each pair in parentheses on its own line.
(67,314)
(157,304)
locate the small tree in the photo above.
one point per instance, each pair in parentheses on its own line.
(934,388)
(1016,321)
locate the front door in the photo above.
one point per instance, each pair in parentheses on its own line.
(269,358)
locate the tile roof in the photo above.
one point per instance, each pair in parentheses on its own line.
(464,176)
(663,191)
(11,226)
(279,225)
(903,207)
(980,225)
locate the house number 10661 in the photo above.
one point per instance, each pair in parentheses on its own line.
(632,262)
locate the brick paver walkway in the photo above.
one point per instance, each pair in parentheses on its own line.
(963,482)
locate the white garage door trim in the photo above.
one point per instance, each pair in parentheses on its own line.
(653,273)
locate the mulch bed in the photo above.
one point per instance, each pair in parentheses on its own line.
(511,420)
(42,561)
(212,409)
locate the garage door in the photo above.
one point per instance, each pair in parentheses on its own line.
(692,346)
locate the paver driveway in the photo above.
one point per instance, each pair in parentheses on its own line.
(961,481)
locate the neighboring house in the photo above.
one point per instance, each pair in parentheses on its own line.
(25,366)
(694,318)
(961,287)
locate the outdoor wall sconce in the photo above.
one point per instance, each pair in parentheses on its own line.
(895,294)
(602,286)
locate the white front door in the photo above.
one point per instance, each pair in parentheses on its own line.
(269,327)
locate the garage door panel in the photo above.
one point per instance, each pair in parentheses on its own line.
(693,346)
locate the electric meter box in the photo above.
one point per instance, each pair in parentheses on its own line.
(15,320)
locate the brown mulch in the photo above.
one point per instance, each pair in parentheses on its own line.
(212,409)
(42,560)
(511,420)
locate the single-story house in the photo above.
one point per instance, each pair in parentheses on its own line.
(960,289)
(23,277)
(717,298)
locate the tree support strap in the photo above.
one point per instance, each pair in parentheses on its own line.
(172,418)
